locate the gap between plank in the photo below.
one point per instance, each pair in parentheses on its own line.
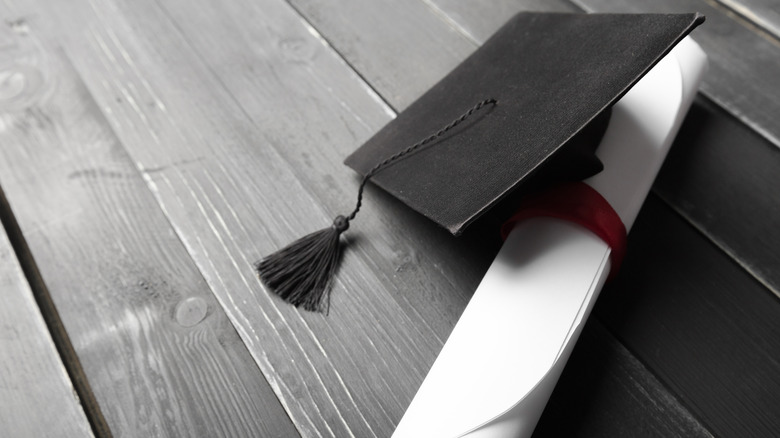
(341,56)
(437,11)
(741,16)
(722,247)
(684,411)
(53,322)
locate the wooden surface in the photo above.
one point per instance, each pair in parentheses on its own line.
(160,355)
(152,150)
(36,394)
(764,14)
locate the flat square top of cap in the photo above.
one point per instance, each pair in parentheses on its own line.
(551,75)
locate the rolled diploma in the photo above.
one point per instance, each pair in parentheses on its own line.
(502,360)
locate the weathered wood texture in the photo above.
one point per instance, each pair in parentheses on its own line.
(479,22)
(37,398)
(160,355)
(369,35)
(349,374)
(762,13)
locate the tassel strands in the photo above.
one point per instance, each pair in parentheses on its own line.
(302,272)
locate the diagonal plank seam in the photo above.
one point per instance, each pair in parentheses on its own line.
(742,15)
(53,322)
(718,244)
(443,16)
(330,46)
(655,381)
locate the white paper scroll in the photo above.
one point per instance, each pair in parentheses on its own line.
(501,362)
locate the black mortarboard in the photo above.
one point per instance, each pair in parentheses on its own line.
(552,75)
(530,105)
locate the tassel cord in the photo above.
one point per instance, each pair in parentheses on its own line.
(390,160)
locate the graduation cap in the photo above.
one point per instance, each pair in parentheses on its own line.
(527,109)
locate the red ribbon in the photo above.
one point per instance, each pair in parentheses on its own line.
(579,203)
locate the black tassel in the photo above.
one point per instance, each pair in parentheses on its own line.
(302,272)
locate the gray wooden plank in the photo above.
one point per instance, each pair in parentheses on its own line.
(37,398)
(349,374)
(744,74)
(761,13)
(367,38)
(160,355)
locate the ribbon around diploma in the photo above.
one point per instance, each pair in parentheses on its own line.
(579,203)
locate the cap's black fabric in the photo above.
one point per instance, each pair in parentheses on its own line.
(552,75)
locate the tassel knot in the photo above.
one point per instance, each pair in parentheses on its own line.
(341,224)
(301,273)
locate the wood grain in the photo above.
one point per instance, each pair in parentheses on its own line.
(762,13)
(367,38)
(37,397)
(159,353)
(349,374)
